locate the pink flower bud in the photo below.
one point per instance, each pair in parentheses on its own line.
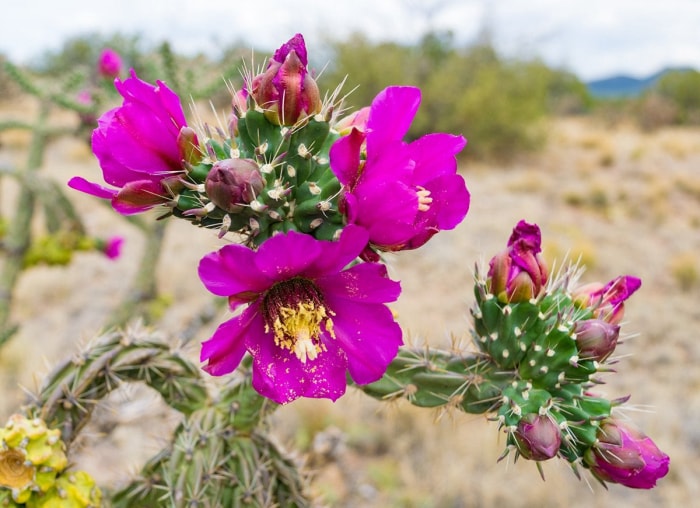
(239,105)
(109,64)
(113,247)
(607,301)
(626,456)
(233,183)
(596,339)
(358,120)
(518,273)
(189,145)
(538,437)
(286,91)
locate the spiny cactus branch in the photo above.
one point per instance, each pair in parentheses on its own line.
(73,389)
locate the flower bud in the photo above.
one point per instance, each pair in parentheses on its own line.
(286,91)
(518,273)
(239,105)
(626,456)
(233,183)
(596,339)
(189,145)
(112,247)
(109,64)
(358,120)
(538,437)
(607,301)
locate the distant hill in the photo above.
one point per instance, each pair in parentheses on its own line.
(626,86)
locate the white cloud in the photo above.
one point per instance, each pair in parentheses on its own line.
(591,37)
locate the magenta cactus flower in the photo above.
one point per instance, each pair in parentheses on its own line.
(607,301)
(626,456)
(402,193)
(518,273)
(286,90)
(140,146)
(109,63)
(309,318)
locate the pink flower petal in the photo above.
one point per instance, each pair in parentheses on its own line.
(364,282)
(82,185)
(391,114)
(285,256)
(227,272)
(369,336)
(279,375)
(344,157)
(225,349)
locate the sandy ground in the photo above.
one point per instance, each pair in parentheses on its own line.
(626,202)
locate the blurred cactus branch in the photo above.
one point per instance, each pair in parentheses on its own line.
(144,289)
(44,95)
(18,236)
(59,211)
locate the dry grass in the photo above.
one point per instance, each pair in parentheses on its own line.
(398,455)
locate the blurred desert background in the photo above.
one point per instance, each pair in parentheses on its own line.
(616,183)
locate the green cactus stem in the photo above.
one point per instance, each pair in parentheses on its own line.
(72,390)
(431,377)
(220,457)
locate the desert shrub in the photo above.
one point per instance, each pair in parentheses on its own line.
(8,88)
(682,90)
(684,268)
(498,103)
(653,111)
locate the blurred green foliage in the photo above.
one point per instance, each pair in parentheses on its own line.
(197,77)
(682,89)
(499,104)
(673,100)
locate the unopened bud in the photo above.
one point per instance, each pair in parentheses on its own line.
(189,145)
(518,273)
(286,91)
(357,120)
(233,183)
(538,437)
(109,64)
(596,339)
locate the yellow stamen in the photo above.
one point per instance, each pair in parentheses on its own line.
(299,329)
(424,199)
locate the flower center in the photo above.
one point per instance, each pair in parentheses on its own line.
(14,472)
(424,199)
(294,311)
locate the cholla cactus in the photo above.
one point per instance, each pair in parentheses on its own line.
(314,202)
(541,349)
(213,462)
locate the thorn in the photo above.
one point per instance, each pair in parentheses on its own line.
(541,470)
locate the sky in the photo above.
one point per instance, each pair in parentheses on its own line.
(592,38)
